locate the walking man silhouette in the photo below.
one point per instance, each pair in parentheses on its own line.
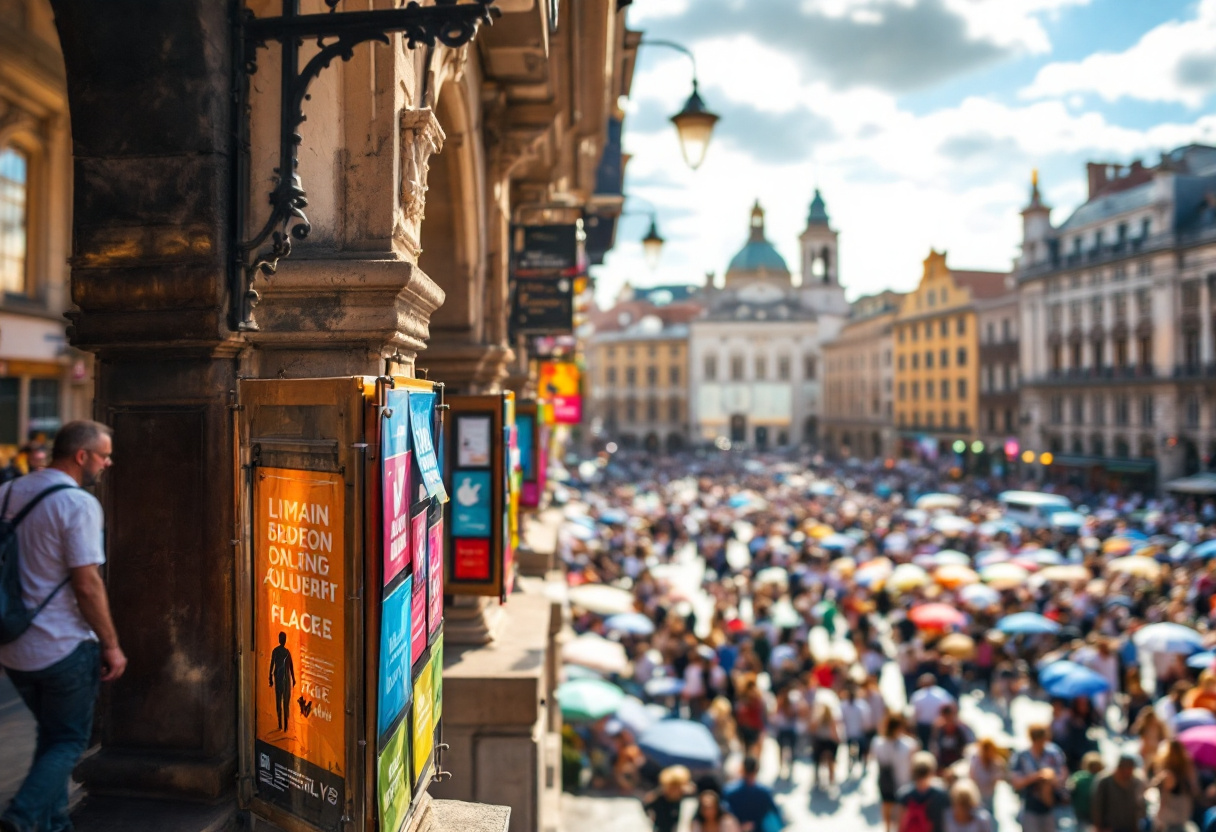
(282,679)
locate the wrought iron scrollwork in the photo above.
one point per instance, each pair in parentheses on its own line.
(449,22)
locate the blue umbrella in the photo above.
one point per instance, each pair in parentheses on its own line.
(614,517)
(837,542)
(1054,671)
(630,623)
(635,715)
(1201,661)
(681,742)
(1026,623)
(1119,601)
(1076,682)
(1191,718)
(663,686)
(1205,550)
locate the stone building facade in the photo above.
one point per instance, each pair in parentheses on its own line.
(1117,325)
(858,381)
(43,381)
(937,357)
(755,354)
(997,320)
(415,162)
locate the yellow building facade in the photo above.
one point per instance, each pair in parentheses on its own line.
(936,348)
(638,386)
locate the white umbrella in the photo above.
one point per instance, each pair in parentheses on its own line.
(1168,637)
(929,502)
(775,575)
(601,599)
(597,653)
(950,524)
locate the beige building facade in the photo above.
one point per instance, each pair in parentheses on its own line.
(858,381)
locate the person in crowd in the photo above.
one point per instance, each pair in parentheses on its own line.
(1038,774)
(893,751)
(988,766)
(787,713)
(927,704)
(966,814)
(753,803)
(711,816)
(1177,787)
(923,803)
(1118,798)
(1152,731)
(826,735)
(751,715)
(720,720)
(949,737)
(71,645)
(856,717)
(1081,789)
(663,804)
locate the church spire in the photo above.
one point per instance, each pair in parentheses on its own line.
(819,211)
(757,224)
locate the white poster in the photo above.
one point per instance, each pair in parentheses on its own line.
(473,441)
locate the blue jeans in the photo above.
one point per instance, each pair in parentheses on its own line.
(61,698)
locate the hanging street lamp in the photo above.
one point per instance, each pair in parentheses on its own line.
(652,245)
(695,123)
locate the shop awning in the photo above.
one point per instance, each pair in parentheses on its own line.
(1204,483)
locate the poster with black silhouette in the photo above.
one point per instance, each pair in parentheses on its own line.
(299,641)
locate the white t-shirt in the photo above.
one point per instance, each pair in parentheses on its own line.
(62,533)
(927,704)
(898,755)
(856,715)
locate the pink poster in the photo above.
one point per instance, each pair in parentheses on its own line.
(396,497)
(435,578)
(418,631)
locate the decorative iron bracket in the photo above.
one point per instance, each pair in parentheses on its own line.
(449,22)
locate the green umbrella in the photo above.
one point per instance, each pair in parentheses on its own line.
(588,699)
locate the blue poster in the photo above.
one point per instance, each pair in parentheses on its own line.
(395,683)
(395,436)
(524,425)
(471,510)
(422,411)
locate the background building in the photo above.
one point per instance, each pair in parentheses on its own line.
(997,319)
(1117,325)
(936,357)
(755,354)
(43,381)
(858,381)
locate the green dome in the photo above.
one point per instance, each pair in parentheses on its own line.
(759,253)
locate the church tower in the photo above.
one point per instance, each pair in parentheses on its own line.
(820,263)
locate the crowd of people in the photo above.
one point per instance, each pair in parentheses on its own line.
(841,618)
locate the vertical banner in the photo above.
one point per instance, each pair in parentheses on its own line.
(424,721)
(560,383)
(434,591)
(392,779)
(422,415)
(299,642)
(437,652)
(395,659)
(395,482)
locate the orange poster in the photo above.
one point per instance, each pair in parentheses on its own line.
(299,610)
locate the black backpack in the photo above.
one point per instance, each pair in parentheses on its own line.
(15,618)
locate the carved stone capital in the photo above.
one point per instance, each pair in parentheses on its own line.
(421,136)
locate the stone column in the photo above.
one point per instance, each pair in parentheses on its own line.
(150,89)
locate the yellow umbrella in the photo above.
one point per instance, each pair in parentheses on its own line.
(821,531)
(1136,566)
(954,575)
(845,565)
(1117,546)
(1066,573)
(908,576)
(1004,575)
(958,645)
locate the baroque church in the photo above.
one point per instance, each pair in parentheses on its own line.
(754,353)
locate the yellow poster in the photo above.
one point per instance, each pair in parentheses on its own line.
(558,378)
(424,719)
(299,606)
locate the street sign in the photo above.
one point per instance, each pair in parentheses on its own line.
(548,251)
(542,307)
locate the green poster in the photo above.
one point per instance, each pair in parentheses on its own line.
(392,783)
(437,663)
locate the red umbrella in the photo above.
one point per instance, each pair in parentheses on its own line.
(1200,743)
(937,617)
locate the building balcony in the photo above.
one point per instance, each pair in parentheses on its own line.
(1097,375)
(1194,371)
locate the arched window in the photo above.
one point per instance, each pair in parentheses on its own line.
(14,224)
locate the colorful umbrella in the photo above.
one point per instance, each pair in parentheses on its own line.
(958,645)
(1200,743)
(681,742)
(1066,573)
(953,576)
(1054,671)
(906,577)
(1117,546)
(601,599)
(950,557)
(1201,661)
(630,623)
(586,700)
(1136,566)
(1076,682)
(1027,623)
(950,525)
(1192,717)
(597,653)
(979,596)
(937,617)
(1004,575)
(773,575)
(929,502)
(1168,637)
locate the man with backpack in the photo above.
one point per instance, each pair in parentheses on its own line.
(923,801)
(1039,774)
(57,639)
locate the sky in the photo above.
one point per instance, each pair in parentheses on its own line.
(919,120)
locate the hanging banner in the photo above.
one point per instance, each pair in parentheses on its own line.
(392,779)
(299,642)
(395,661)
(395,483)
(560,384)
(418,591)
(437,662)
(424,721)
(434,591)
(422,411)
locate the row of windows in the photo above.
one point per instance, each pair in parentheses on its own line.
(943,327)
(760,368)
(930,420)
(960,359)
(932,389)
(1097,353)
(858,362)
(1008,332)
(675,411)
(1002,420)
(652,351)
(1117,274)
(1097,309)
(1121,411)
(652,376)
(1096,446)
(998,378)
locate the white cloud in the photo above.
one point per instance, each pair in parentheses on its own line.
(1174,62)
(895,182)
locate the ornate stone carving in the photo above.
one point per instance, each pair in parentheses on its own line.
(421,136)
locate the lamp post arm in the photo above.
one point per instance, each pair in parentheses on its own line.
(684,50)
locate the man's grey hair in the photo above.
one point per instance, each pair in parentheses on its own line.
(80,435)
